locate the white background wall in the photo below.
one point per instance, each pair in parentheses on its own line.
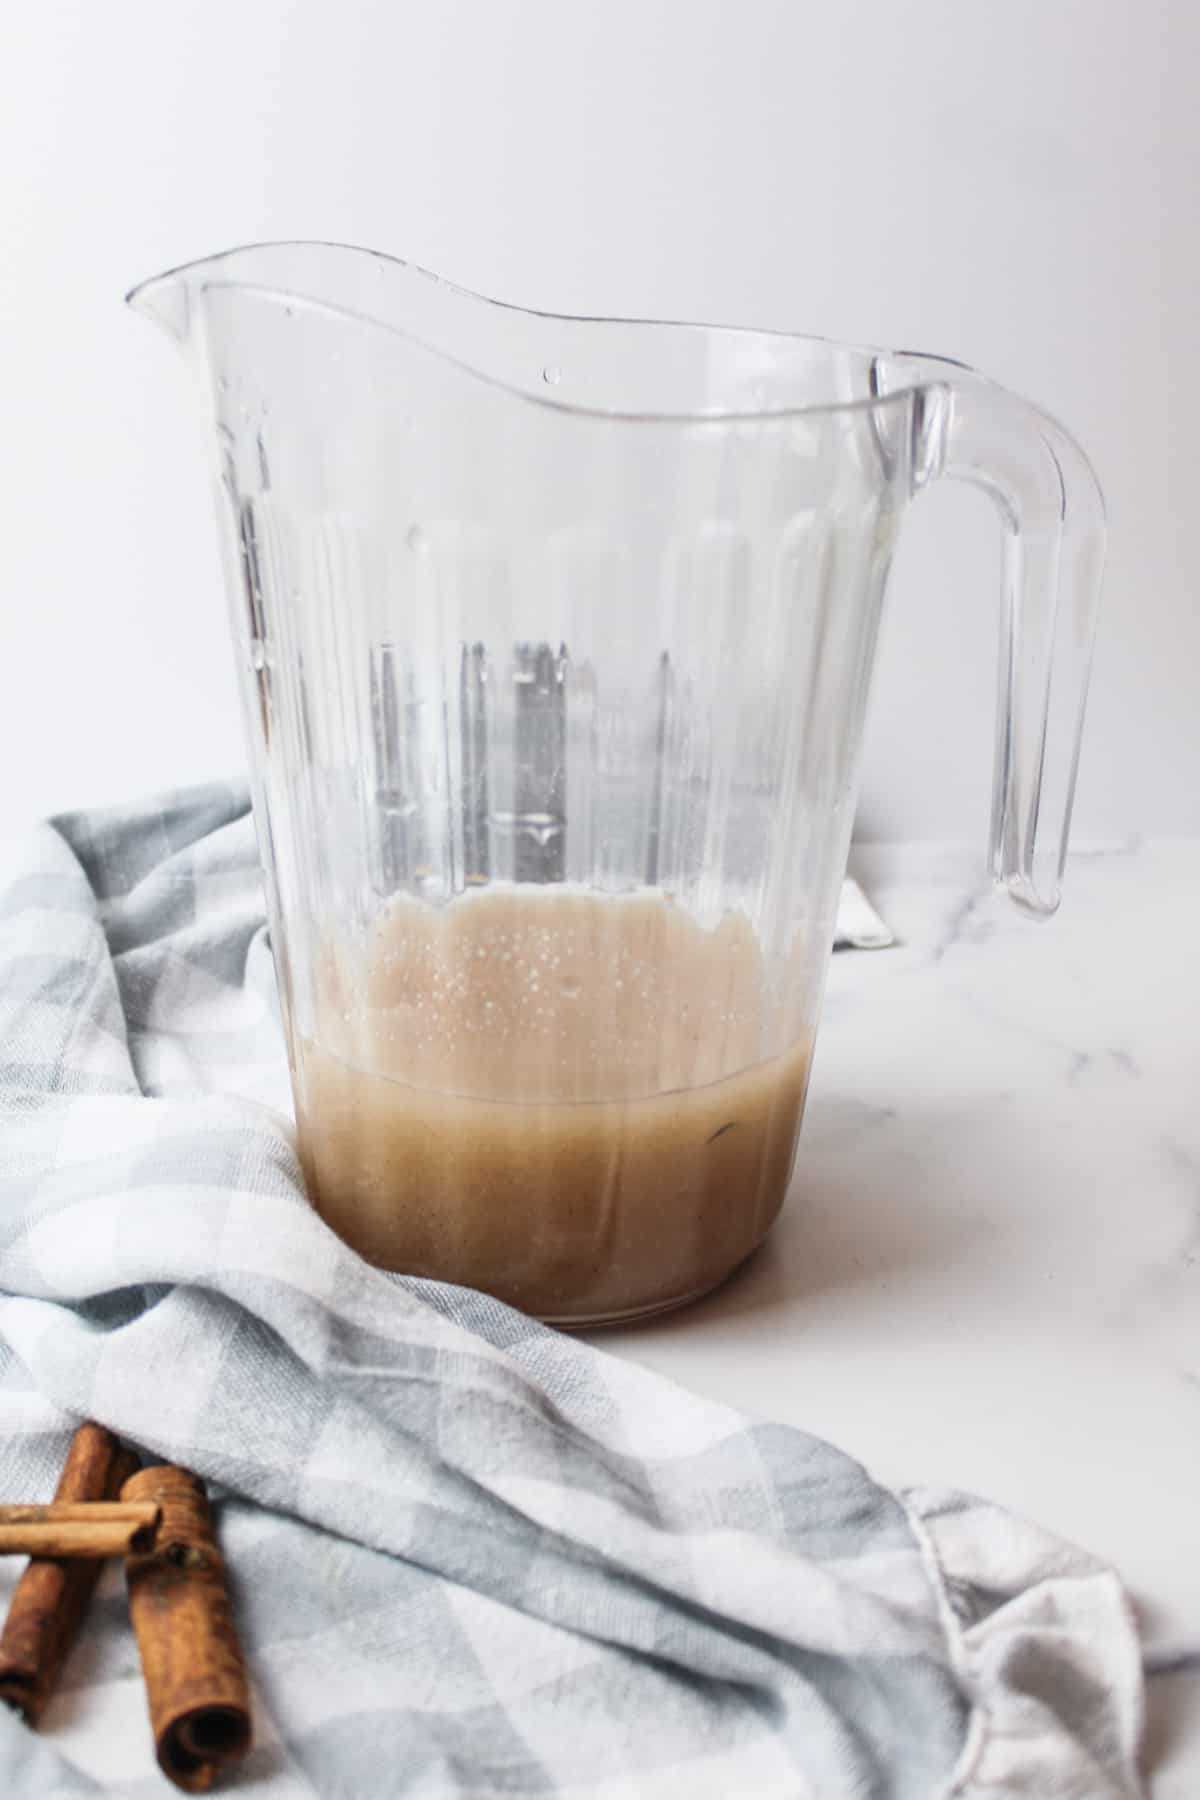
(1014,182)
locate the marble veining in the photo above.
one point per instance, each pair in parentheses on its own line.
(988,1271)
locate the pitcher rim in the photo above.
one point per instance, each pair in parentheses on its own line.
(555,403)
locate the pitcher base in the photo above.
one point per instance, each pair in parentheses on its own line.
(654,1309)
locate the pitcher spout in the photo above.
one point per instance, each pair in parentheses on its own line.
(167,301)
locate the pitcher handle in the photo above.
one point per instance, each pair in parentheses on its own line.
(1052,511)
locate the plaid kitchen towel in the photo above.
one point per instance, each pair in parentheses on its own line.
(472,1556)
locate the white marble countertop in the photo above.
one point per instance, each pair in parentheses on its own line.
(988,1271)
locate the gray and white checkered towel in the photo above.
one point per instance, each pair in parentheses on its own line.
(472,1556)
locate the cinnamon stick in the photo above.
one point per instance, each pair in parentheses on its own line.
(191,1658)
(91,1528)
(51,1597)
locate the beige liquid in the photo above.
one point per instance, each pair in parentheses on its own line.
(555,1096)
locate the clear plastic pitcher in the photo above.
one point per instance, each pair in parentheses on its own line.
(555,639)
